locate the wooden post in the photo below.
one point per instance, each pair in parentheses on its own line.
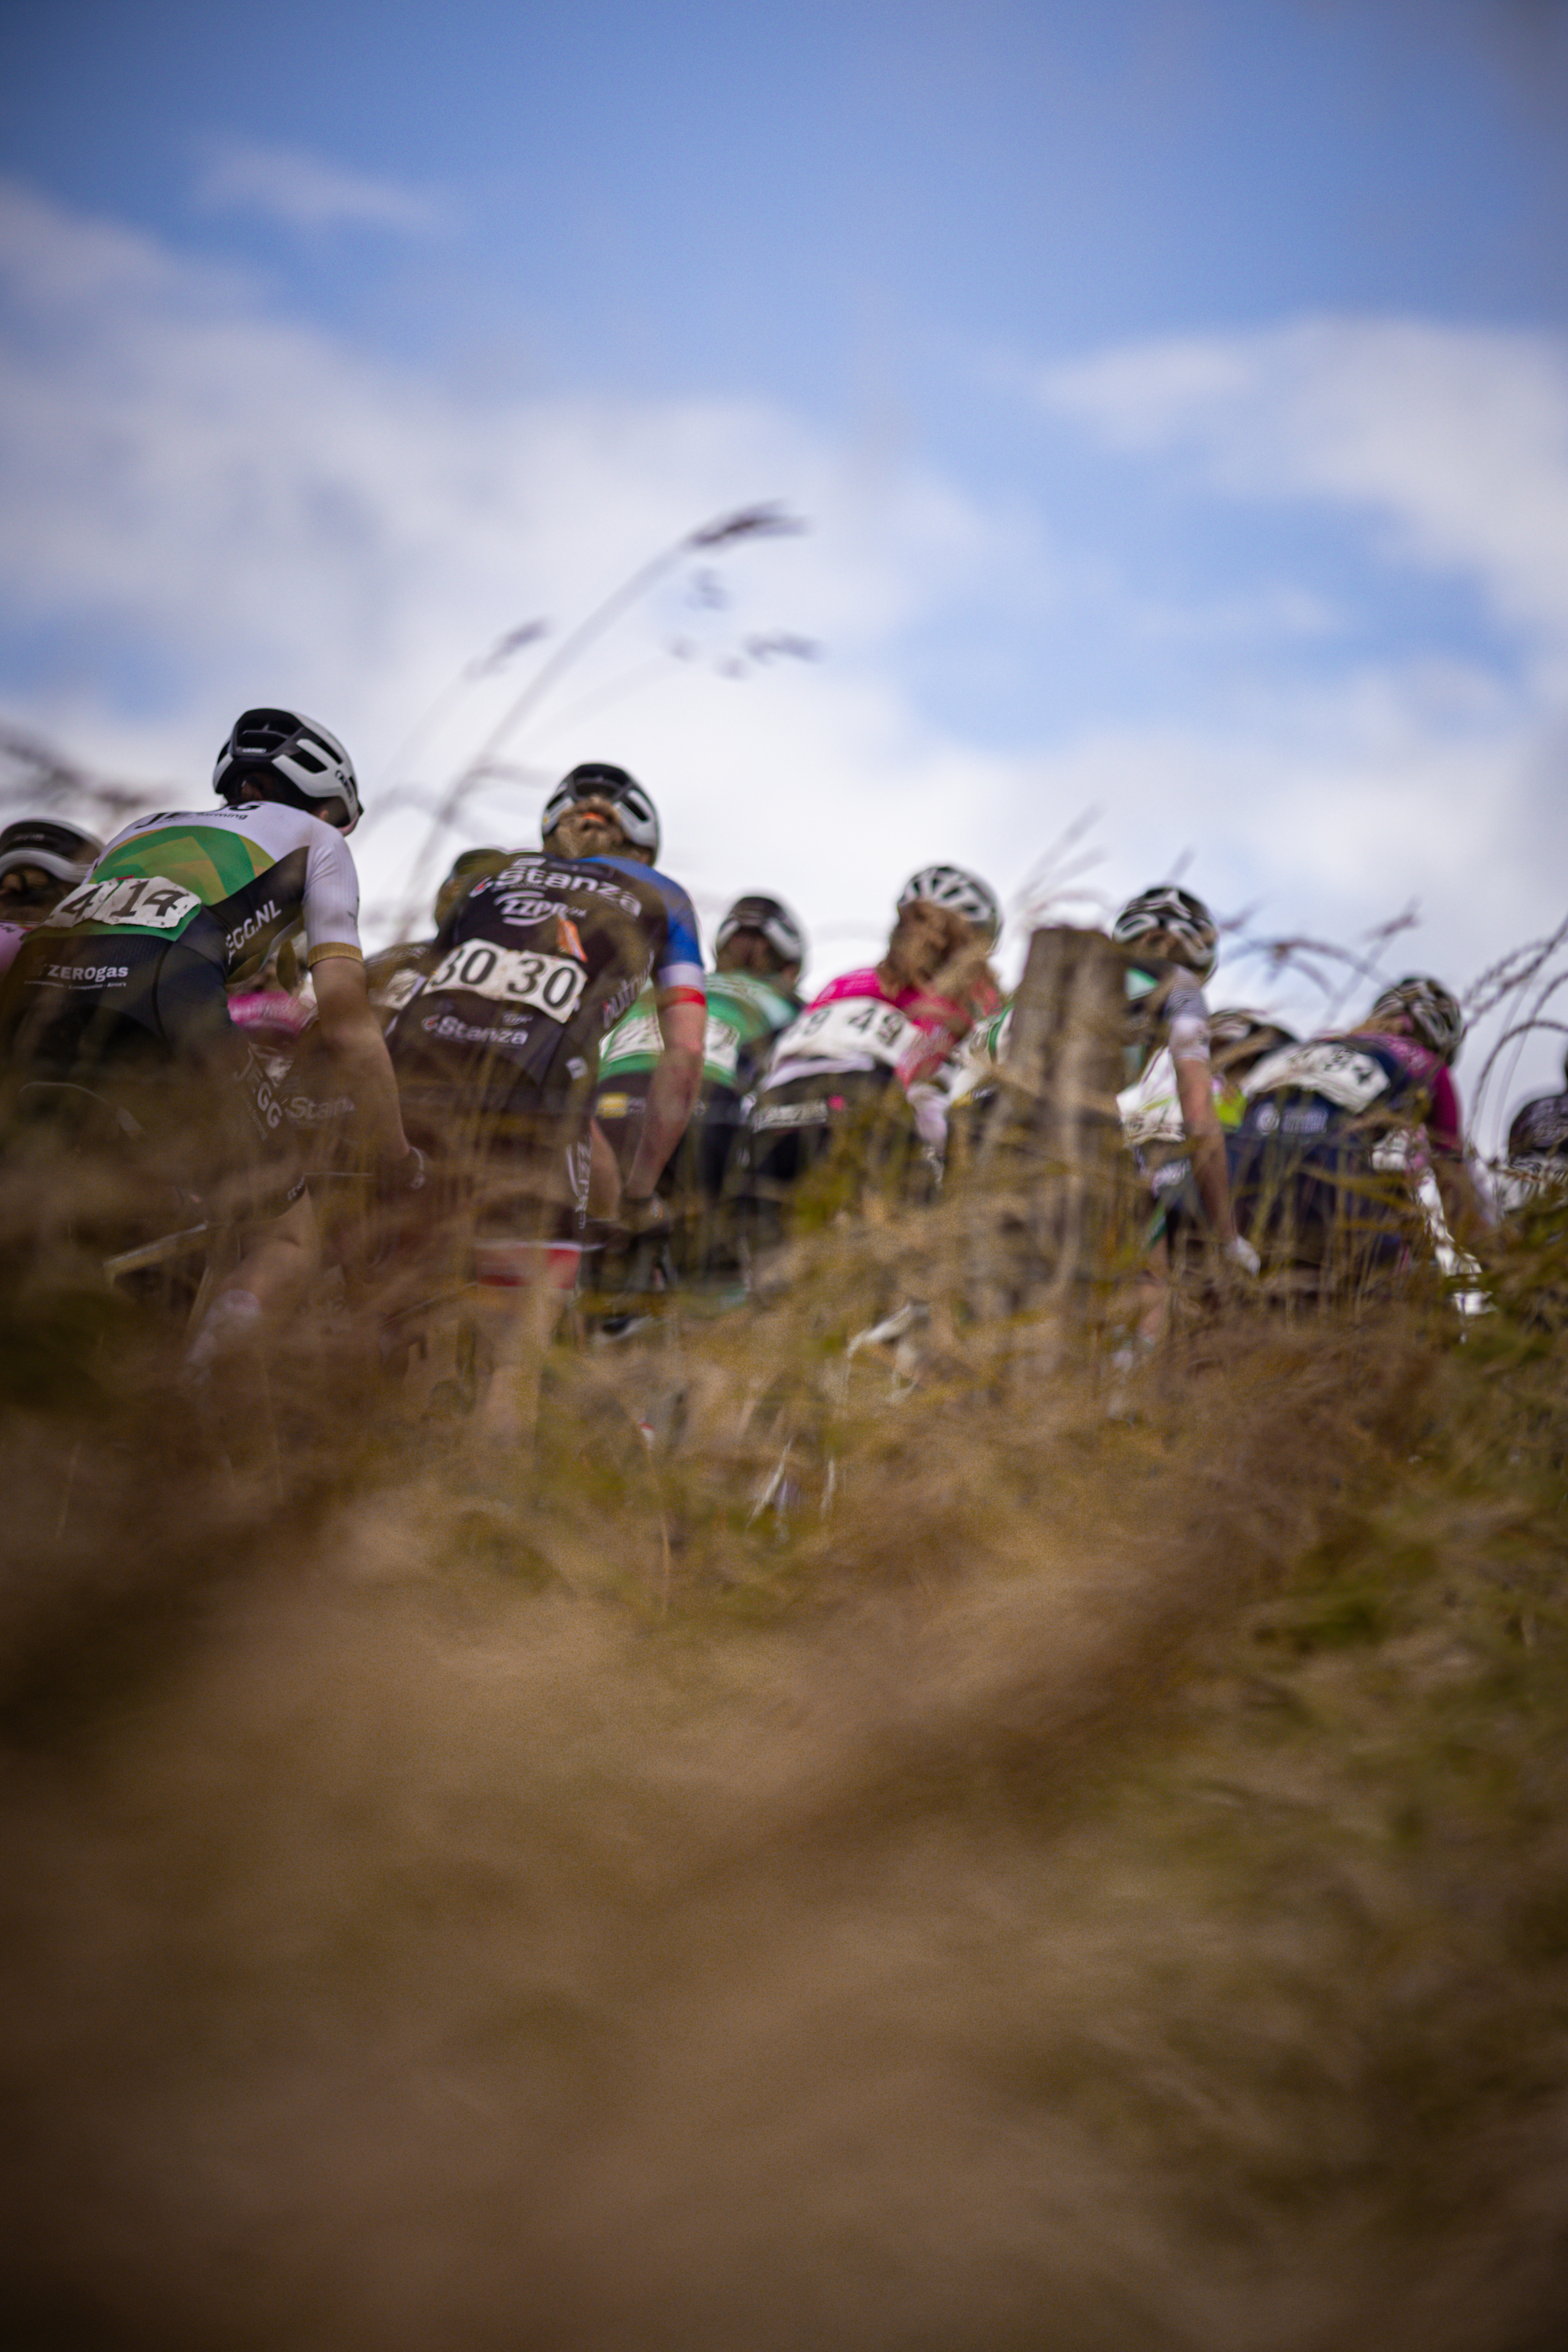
(1049,1168)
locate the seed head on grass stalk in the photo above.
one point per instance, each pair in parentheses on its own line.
(768,519)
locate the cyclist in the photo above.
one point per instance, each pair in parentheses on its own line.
(393,974)
(1172,944)
(498,1055)
(1538,1146)
(758,952)
(893,1024)
(40,859)
(1151,1120)
(1336,1129)
(124,984)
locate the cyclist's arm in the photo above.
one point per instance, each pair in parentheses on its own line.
(352,1036)
(1205,1137)
(604,1174)
(672,1090)
(1464,1210)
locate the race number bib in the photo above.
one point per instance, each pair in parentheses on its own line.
(850,1028)
(637,1038)
(544,983)
(146,901)
(1348,1079)
(1151,1110)
(720,1051)
(400,989)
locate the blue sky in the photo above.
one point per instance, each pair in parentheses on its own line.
(1177,393)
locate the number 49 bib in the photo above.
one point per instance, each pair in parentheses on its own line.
(545,983)
(848,1027)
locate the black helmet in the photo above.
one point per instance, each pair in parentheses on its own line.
(1240,1039)
(773,918)
(597,780)
(304,757)
(466,869)
(1174,915)
(64,851)
(1433,1012)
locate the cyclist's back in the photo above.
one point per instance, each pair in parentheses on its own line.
(131,968)
(1336,1132)
(867,1050)
(759,948)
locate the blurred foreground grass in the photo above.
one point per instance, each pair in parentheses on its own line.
(1037,1880)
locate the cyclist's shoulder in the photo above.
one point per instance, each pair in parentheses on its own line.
(278,826)
(1156,987)
(865,980)
(748,997)
(646,880)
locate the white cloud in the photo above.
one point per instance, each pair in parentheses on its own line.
(1456,438)
(243,509)
(283,183)
(209,504)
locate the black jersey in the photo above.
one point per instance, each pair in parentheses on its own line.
(533,968)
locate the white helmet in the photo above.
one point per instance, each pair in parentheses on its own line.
(298,754)
(1189,930)
(961,893)
(598,780)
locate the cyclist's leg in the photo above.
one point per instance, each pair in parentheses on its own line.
(251,1170)
(529,1211)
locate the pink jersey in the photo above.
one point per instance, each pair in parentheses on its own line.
(1444,1131)
(943,1019)
(10,938)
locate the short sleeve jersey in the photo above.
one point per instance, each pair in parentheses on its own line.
(230,880)
(1165,1012)
(857,1024)
(745,1013)
(532,969)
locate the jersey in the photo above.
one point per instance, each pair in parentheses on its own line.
(745,1013)
(535,966)
(1361,1088)
(228,881)
(858,1025)
(1166,1012)
(1333,1136)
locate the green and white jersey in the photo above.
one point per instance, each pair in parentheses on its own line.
(744,1015)
(975,1063)
(253,870)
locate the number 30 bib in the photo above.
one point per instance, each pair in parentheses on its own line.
(545,983)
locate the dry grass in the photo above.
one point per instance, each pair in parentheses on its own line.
(1094,1883)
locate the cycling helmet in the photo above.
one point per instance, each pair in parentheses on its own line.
(597,780)
(309,761)
(1433,1013)
(466,869)
(1240,1039)
(773,918)
(1184,922)
(962,894)
(63,850)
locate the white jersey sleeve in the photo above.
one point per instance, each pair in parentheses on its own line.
(331,897)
